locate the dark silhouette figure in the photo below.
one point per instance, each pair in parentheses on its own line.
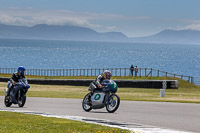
(131,70)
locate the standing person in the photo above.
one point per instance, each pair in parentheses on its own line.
(131,70)
(15,78)
(136,70)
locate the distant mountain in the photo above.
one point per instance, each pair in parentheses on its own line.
(56,32)
(171,37)
(75,33)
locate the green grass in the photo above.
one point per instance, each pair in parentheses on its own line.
(187,92)
(24,123)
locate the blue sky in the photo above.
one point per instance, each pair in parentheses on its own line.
(132,17)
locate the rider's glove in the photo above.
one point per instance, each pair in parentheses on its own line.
(99,86)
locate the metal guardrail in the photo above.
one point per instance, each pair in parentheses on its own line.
(147,72)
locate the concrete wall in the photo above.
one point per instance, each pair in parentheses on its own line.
(157,84)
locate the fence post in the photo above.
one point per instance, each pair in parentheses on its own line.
(158,73)
(125,72)
(87,72)
(192,80)
(188,78)
(145,72)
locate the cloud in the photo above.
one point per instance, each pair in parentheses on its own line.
(111,27)
(101,22)
(193,27)
(188,27)
(30,17)
(189,24)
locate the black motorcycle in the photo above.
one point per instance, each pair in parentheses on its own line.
(17,93)
(100,98)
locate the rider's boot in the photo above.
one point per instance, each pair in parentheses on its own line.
(89,99)
(5,91)
(107,98)
(8,92)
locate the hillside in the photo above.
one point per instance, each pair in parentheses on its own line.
(75,33)
(171,37)
(56,32)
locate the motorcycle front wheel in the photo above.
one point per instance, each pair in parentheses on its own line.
(7,101)
(113,103)
(86,103)
(21,98)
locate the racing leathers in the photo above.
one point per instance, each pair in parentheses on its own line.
(96,84)
(13,80)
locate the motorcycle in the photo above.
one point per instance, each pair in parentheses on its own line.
(106,97)
(17,93)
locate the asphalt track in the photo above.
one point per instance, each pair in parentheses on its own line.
(180,117)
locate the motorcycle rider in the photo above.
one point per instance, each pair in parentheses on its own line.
(20,74)
(106,75)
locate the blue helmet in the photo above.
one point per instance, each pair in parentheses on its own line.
(21,70)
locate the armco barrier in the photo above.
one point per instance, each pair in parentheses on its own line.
(157,84)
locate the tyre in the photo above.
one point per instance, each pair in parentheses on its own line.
(21,98)
(113,103)
(86,103)
(7,101)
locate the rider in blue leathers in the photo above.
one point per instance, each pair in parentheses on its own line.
(15,78)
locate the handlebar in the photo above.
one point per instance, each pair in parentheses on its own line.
(23,82)
(103,86)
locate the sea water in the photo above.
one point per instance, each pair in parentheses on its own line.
(52,54)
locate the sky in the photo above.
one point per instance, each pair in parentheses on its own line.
(134,18)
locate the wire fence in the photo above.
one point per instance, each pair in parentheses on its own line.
(147,72)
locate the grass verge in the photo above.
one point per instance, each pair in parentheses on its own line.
(23,123)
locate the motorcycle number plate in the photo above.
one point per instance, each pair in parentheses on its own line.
(98,97)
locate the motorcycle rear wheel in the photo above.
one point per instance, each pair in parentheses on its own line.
(21,98)
(86,103)
(7,101)
(113,103)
